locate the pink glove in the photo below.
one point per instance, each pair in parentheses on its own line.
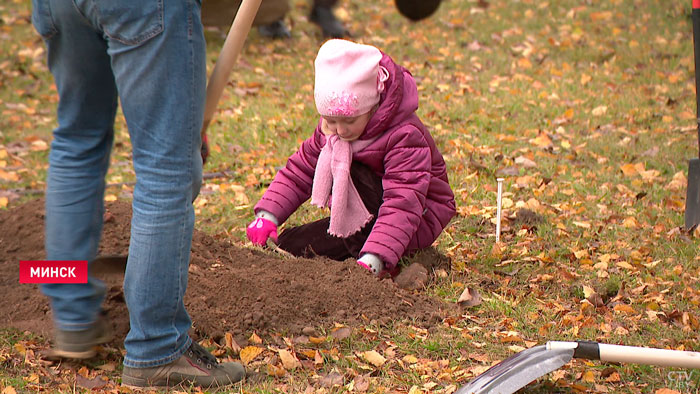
(259,230)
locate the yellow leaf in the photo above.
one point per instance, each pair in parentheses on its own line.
(275,371)
(20,348)
(582,224)
(630,222)
(524,63)
(317,340)
(624,308)
(84,372)
(110,198)
(33,378)
(580,254)
(599,111)
(629,169)
(542,140)
(588,291)
(288,359)
(308,353)
(109,367)
(516,348)
(414,390)
(666,391)
(249,353)
(588,377)
(613,378)
(678,182)
(374,358)
(9,176)
(9,390)
(625,265)
(585,78)
(39,145)
(3,202)
(409,359)
(255,339)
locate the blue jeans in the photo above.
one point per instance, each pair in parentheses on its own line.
(150,56)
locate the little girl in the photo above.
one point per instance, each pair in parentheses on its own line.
(370,160)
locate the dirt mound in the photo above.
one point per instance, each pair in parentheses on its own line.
(231,289)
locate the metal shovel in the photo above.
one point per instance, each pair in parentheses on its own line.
(692,200)
(518,370)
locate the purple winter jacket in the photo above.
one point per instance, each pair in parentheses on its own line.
(418,202)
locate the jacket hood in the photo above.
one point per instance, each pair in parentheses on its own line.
(397,103)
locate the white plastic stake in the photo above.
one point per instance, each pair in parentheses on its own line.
(498,209)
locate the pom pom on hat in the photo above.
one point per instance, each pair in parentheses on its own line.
(349,78)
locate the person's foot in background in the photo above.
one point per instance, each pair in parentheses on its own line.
(275,29)
(322,15)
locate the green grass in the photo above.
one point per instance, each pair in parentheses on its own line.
(609,84)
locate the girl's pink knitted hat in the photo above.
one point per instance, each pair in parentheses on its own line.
(349,78)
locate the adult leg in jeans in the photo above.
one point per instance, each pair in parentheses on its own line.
(156,57)
(158,53)
(78,159)
(153,55)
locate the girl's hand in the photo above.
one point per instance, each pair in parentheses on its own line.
(260,229)
(371,263)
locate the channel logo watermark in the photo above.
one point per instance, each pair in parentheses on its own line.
(53,271)
(684,381)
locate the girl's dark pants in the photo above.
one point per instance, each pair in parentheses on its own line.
(312,239)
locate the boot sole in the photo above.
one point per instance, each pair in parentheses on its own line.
(143,384)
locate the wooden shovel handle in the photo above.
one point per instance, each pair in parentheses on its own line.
(228,56)
(696,52)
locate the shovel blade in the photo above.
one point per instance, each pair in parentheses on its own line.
(109,265)
(692,200)
(518,370)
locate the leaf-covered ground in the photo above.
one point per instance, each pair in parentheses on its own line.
(586,108)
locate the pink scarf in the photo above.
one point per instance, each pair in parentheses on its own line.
(332,179)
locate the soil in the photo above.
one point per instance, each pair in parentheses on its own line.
(231,288)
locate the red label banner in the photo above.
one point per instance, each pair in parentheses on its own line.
(53,271)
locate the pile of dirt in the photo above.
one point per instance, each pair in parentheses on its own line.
(231,289)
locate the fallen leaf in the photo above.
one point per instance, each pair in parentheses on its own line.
(332,379)
(415,390)
(342,333)
(624,308)
(255,339)
(109,367)
(542,141)
(317,340)
(469,298)
(613,378)
(666,391)
(9,390)
(525,162)
(273,370)
(97,382)
(249,353)
(289,361)
(599,111)
(374,358)
(231,343)
(588,377)
(84,372)
(409,359)
(361,383)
